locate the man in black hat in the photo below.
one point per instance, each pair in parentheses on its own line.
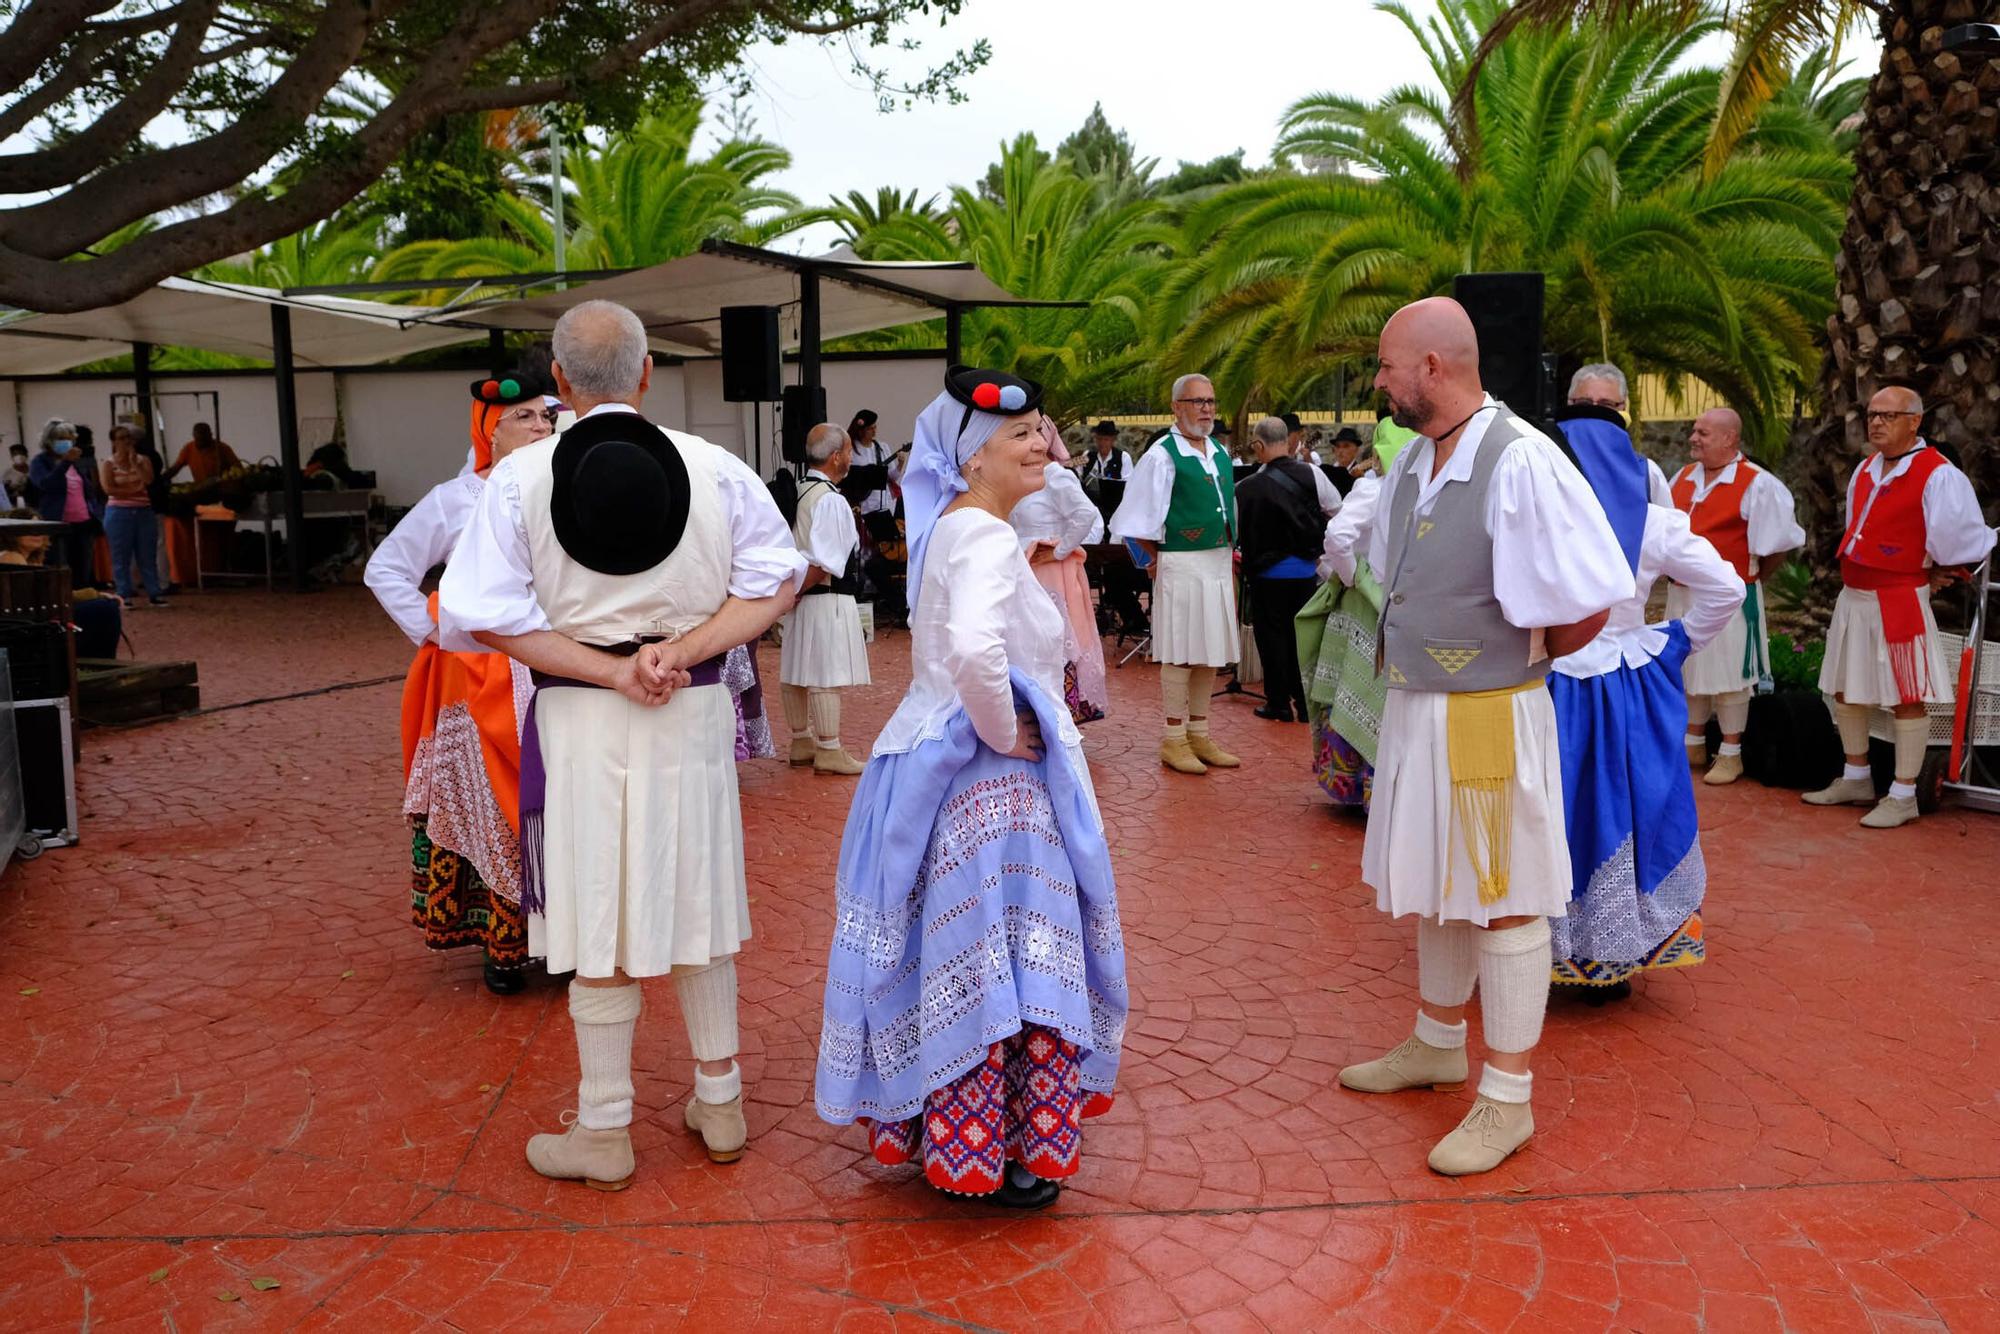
(1346,449)
(1105,462)
(620,563)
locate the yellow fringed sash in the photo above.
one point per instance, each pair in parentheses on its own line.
(1479,740)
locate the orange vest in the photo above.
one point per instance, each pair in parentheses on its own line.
(1718,516)
(1892,550)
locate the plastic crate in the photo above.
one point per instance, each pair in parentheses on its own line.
(1986,708)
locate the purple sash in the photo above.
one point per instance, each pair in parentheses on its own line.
(535,778)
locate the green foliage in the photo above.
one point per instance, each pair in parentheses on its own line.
(1794,667)
(1587,166)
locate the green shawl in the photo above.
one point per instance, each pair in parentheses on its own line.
(1336,639)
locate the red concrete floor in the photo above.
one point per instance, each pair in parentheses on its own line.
(227,1058)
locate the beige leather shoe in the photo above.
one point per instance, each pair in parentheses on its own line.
(1891,812)
(802,751)
(1726,769)
(1490,1132)
(721,1127)
(1697,755)
(1210,754)
(1843,792)
(600,1159)
(834,760)
(1177,755)
(1412,1065)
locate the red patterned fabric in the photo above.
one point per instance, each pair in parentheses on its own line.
(1024,1103)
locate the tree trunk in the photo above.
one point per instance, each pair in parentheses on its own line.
(1918,274)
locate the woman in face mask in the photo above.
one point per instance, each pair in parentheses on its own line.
(59,487)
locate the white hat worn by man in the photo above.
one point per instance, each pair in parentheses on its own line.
(621,563)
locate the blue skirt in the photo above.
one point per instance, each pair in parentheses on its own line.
(974,897)
(1637,875)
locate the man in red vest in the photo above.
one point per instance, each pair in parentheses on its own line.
(1913,524)
(1747,515)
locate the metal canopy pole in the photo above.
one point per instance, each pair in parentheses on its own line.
(809,333)
(142,387)
(496,353)
(954,315)
(288,444)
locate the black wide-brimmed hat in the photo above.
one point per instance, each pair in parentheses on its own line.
(620,497)
(1347,435)
(1105,427)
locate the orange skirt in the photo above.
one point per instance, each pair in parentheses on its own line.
(462,758)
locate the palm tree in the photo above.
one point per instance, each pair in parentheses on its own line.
(329,252)
(1917,275)
(858,215)
(1049,234)
(1581,156)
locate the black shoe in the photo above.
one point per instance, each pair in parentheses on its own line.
(1276,713)
(1040,1195)
(1600,996)
(504,981)
(158,602)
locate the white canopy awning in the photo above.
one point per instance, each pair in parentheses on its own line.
(221,317)
(681,300)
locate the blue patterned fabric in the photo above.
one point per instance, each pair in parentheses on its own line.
(974,896)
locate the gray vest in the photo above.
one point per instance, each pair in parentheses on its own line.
(1441,627)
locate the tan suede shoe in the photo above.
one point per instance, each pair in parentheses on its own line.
(721,1127)
(600,1159)
(1177,755)
(1413,1065)
(1726,769)
(802,751)
(1891,812)
(1697,755)
(834,760)
(1487,1136)
(1210,754)
(1843,792)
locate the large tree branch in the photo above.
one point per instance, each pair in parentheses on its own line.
(37,33)
(78,68)
(78,156)
(777,15)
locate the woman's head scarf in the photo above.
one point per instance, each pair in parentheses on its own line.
(975,404)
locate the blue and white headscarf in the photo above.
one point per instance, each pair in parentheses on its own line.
(955,426)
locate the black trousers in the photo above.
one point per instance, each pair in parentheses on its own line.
(1273,604)
(79,547)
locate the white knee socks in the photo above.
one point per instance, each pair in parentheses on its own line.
(825,707)
(1446,971)
(1200,685)
(796,715)
(1912,738)
(604,1019)
(708,1004)
(1732,711)
(1700,709)
(1174,698)
(1852,720)
(1514,985)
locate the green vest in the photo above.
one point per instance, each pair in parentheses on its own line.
(1196,521)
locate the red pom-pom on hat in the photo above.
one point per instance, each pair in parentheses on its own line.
(986,396)
(491,389)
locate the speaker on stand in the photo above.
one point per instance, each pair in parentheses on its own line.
(800,412)
(1506,311)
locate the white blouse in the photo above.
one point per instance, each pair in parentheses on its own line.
(418,544)
(1143,512)
(1955,532)
(1767,507)
(1555,558)
(1348,529)
(1670,547)
(979,612)
(1058,514)
(491,577)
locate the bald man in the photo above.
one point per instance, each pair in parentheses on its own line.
(1913,525)
(1747,516)
(1495,558)
(824,648)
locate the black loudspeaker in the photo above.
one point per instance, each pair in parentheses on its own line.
(1506,311)
(750,354)
(801,412)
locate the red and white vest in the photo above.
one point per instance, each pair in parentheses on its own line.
(1889,518)
(1718,516)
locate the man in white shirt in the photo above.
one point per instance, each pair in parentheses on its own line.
(824,648)
(1746,514)
(620,563)
(1495,557)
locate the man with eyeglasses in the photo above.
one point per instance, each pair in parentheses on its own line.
(1913,525)
(1180,512)
(1602,385)
(1747,515)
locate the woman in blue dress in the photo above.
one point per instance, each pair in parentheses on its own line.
(1628,802)
(975,996)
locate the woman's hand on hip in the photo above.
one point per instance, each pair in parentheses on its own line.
(1027,739)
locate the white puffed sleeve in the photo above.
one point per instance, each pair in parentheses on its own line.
(1955,533)
(764,555)
(1329,494)
(1076,517)
(1555,559)
(1693,562)
(1143,512)
(978,584)
(1348,530)
(420,542)
(1773,519)
(831,538)
(489,583)
(1658,490)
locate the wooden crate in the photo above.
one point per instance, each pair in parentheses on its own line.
(114,690)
